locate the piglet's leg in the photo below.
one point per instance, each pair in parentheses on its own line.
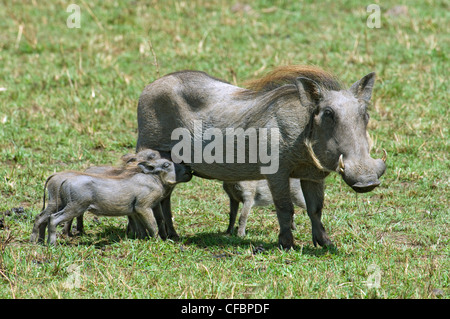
(67,230)
(41,222)
(234,207)
(148,219)
(67,213)
(68,226)
(246,208)
(134,227)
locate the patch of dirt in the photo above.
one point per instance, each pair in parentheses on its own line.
(16,212)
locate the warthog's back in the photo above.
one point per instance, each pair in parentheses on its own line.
(108,196)
(185,101)
(177,100)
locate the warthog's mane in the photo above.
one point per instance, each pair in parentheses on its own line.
(120,172)
(283,75)
(124,171)
(280,82)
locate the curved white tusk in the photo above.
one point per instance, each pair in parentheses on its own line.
(384,156)
(341,165)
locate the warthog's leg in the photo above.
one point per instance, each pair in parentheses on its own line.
(279,187)
(314,196)
(40,223)
(293,227)
(234,207)
(68,226)
(80,225)
(135,227)
(299,200)
(138,228)
(157,212)
(67,230)
(146,217)
(167,213)
(67,213)
(246,208)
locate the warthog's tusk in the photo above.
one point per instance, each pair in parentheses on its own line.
(341,165)
(384,156)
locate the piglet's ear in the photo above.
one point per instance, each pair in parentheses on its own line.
(146,167)
(129,158)
(362,89)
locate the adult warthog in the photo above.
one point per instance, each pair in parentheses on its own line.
(321,128)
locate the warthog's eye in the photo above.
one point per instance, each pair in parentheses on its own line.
(328,113)
(166,165)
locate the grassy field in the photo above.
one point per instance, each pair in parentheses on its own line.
(68,100)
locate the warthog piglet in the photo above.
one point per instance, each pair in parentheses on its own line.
(136,192)
(256,193)
(127,160)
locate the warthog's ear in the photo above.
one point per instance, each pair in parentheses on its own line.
(146,167)
(362,89)
(308,90)
(129,158)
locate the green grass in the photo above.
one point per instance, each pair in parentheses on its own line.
(70,102)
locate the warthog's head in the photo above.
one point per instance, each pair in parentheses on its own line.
(169,172)
(143,155)
(338,133)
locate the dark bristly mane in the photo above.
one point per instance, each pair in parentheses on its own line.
(285,75)
(281,82)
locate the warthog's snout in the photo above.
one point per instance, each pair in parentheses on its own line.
(184,173)
(362,178)
(361,187)
(187,176)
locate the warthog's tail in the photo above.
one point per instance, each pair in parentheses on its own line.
(45,186)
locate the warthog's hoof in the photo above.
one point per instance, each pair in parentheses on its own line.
(241,233)
(174,237)
(322,239)
(286,241)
